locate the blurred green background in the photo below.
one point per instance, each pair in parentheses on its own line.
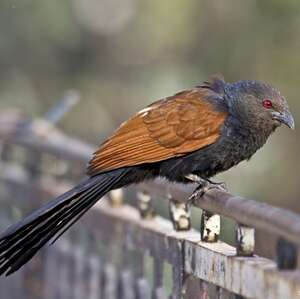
(123,54)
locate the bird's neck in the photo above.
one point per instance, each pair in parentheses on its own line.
(251,136)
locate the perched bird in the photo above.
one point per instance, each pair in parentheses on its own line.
(196,133)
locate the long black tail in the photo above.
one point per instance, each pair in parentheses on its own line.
(20,242)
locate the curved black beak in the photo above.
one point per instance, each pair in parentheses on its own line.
(285,117)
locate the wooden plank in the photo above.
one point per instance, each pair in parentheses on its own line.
(253,277)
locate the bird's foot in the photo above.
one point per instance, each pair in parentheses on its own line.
(204,186)
(221,186)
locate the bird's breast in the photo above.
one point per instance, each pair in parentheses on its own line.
(240,143)
(235,144)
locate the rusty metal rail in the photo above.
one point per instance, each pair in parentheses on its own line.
(256,214)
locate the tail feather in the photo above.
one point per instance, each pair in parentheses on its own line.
(20,242)
(74,217)
(32,240)
(34,221)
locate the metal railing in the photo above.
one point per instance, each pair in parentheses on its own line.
(125,242)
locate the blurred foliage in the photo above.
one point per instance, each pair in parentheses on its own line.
(123,54)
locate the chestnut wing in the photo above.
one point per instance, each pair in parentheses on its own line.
(166,129)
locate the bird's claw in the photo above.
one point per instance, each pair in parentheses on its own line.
(219,186)
(204,186)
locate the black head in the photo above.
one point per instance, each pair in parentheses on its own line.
(258,104)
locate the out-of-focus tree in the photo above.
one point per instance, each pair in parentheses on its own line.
(123,54)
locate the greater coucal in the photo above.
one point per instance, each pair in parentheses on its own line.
(195,133)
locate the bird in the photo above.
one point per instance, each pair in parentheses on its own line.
(190,136)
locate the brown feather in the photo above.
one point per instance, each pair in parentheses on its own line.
(168,128)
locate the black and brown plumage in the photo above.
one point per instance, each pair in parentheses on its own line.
(200,132)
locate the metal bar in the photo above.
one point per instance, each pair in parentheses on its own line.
(139,265)
(159,293)
(210,226)
(116,197)
(78,260)
(286,257)
(126,287)
(110,282)
(55,143)
(224,294)
(145,205)
(180,215)
(50,289)
(245,240)
(94,265)
(177,261)
(64,259)
(158,270)
(256,214)
(142,289)
(207,290)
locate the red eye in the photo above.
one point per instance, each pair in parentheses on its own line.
(267,103)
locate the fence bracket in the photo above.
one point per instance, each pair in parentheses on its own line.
(245,240)
(116,198)
(145,206)
(180,215)
(286,255)
(210,226)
